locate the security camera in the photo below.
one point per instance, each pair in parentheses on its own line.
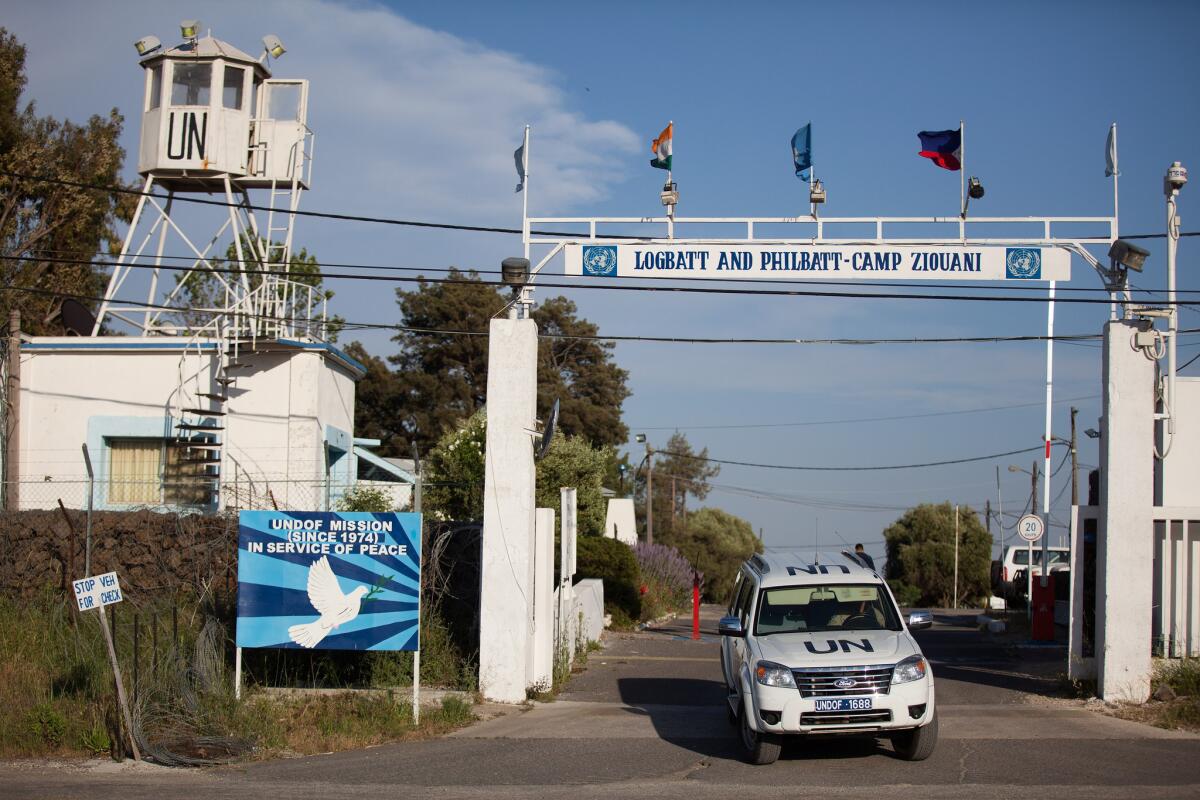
(974,188)
(669,194)
(1176,178)
(817,193)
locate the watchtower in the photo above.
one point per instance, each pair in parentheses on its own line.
(214,122)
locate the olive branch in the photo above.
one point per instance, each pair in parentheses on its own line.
(377,587)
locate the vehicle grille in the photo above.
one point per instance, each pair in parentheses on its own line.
(845,717)
(819,682)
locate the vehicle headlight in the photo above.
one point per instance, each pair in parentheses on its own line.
(771,674)
(912,668)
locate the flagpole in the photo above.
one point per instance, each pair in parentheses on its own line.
(1112,306)
(962,177)
(525,198)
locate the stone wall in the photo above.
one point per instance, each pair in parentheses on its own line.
(154,554)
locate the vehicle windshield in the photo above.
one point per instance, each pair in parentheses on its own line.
(833,607)
(1021,557)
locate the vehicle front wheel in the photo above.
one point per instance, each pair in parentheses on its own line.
(916,744)
(761,748)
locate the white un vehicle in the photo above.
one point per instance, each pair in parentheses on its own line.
(822,648)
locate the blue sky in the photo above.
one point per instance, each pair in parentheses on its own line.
(418,106)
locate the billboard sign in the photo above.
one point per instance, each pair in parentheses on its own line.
(865,261)
(329,580)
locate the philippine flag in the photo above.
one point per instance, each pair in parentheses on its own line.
(943,148)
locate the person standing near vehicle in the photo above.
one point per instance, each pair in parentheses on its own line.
(861,553)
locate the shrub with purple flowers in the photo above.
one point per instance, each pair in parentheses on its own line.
(666,580)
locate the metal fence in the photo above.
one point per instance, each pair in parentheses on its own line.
(235,493)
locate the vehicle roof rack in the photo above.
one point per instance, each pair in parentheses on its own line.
(759,563)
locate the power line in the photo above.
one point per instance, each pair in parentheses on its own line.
(849,469)
(102,261)
(114,189)
(352,325)
(725,290)
(855,419)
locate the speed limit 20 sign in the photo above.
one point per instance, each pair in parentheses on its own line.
(1031,527)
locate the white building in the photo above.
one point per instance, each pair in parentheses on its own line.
(244,404)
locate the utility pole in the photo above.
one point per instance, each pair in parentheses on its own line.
(1029,568)
(12,435)
(641,437)
(649,494)
(956,556)
(1074,461)
(673,495)
(1033,494)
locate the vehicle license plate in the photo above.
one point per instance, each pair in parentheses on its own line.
(843,704)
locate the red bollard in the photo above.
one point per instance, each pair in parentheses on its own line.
(695,605)
(1043,610)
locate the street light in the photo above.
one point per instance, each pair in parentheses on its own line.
(514,272)
(641,439)
(974,192)
(1128,255)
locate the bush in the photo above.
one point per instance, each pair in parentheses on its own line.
(906,595)
(366,498)
(667,577)
(611,561)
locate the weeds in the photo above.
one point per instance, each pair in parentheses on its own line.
(1183,676)
(57,691)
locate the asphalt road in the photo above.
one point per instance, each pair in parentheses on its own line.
(646,719)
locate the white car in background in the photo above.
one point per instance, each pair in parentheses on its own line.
(1010,573)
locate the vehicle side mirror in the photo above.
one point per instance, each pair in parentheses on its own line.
(919,620)
(731,626)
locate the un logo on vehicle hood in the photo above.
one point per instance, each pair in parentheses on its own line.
(600,260)
(1023,263)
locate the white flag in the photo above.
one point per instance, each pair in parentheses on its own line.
(1110,153)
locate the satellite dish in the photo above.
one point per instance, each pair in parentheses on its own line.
(548,432)
(76,318)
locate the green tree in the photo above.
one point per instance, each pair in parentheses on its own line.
(580,373)
(716,543)
(679,471)
(204,289)
(443,362)
(366,498)
(443,375)
(51,233)
(571,461)
(376,398)
(453,479)
(454,474)
(920,555)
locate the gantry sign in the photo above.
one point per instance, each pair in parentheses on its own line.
(1042,255)
(854,261)
(1011,250)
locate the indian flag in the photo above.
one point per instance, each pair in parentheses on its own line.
(661,147)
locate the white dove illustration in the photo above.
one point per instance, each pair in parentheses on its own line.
(334,607)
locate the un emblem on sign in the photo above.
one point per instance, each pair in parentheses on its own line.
(1024,263)
(600,260)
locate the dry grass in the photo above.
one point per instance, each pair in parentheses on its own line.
(57,695)
(310,725)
